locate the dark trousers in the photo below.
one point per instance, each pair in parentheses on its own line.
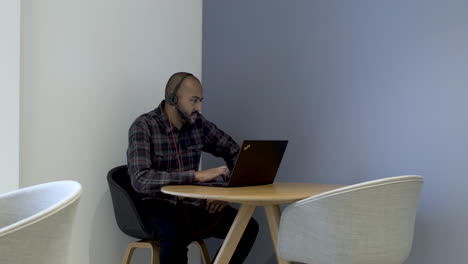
(176,226)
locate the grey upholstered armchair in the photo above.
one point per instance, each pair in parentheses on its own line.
(35,223)
(366,223)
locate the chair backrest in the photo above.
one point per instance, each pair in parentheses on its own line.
(36,222)
(125,202)
(367,223)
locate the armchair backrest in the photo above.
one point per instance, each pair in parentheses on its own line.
(367,223)
(36,222)
(125,202)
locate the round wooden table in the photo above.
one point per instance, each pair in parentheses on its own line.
(269,196)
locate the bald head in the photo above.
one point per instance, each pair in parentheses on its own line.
(184,96)
(176,81)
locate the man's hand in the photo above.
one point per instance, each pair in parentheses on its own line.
(214,206)
(211,174)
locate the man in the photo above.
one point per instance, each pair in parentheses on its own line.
(164,148)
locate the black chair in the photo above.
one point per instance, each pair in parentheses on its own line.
(124,200)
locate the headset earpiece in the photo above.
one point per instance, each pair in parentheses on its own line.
(172,97)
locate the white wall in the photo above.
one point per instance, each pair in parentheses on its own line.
(89,68)
(9,93)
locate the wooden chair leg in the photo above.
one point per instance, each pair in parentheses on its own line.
(152,245)
(154,252)
(128,254)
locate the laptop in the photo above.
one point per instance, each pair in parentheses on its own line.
(257,164)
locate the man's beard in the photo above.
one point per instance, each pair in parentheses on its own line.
(185,118)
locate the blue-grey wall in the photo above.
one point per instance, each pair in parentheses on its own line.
(362,90)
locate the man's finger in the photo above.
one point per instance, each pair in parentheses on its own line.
(214,208)
(221,172)
(223,206)
(226,174)
(208,204)
(219,206)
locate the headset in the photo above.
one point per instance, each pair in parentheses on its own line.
(172,97)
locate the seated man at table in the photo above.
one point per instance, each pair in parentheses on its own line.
(164,148)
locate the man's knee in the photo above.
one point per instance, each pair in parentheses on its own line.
(172,239)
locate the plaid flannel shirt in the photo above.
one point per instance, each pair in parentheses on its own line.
(152,159)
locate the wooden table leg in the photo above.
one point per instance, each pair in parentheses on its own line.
(273,216)
(235,233)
